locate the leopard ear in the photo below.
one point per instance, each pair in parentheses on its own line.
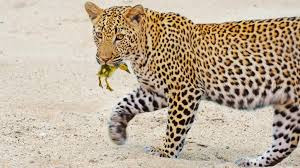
(135,15)
(93,11)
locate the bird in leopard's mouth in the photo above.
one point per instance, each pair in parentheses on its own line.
(106,71)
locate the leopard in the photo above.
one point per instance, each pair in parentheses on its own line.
(244,65)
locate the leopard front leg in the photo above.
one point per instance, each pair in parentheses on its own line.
(286,134)
(182,106)
(139,101)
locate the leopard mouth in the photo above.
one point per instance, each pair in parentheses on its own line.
(114,62)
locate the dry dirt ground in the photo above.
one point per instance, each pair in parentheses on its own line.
(52,113)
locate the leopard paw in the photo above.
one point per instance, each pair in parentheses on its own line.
(244,162)
(155,151)
(117,133)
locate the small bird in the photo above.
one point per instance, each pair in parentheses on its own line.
(107,71)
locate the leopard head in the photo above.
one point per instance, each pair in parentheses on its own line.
(118,32)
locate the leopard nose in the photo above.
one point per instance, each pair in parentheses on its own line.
(105,60)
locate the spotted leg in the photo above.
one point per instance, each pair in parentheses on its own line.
(286,133)
(139,101)
(182,106)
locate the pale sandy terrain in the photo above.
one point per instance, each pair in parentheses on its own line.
(52,113)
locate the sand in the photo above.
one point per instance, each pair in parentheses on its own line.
(53,114)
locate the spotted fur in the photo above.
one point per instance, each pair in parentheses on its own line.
(244,65)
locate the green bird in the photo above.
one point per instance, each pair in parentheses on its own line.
(107,71)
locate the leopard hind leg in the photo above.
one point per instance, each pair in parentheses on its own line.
(286,133)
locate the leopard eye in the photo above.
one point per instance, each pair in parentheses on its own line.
(98,34)
(120,36)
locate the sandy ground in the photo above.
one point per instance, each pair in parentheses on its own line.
(52,113)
